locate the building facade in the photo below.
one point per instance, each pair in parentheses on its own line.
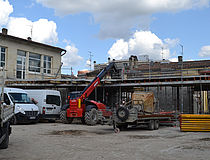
(27,59)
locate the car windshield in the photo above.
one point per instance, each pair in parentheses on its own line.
(20,98)
(51,99)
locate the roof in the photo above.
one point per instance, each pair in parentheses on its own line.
(30,42)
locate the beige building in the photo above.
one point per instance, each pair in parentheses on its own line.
(27,59)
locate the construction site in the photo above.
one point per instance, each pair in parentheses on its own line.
(181,86)
(123,109)
(171,92)
(142,96)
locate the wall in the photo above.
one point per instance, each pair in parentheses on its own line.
(11,59)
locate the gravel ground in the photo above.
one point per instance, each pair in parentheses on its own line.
(55,141)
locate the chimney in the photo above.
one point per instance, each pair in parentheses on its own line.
(4,31)
(29,39)
(180,59)
(94,64)
(109,59)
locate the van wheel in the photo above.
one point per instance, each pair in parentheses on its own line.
(83,120)
(14,120)
(5,142)
(64,118)
(91,117)
(51,120)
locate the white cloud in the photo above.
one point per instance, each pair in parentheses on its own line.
(118,17)
(5,10)
(42,30)
(119,50)
(205,51)
(142,43)
(20,27)
(171,42)
(173,59)
(71,58)
(88,63)
(45,31)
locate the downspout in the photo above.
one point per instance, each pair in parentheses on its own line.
(62,54)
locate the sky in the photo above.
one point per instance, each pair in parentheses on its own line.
(115,29)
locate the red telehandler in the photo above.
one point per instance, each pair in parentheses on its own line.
(90,112)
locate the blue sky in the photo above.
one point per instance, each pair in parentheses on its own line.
(112,29)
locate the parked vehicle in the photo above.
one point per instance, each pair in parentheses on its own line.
(48,101)
(89,111)
(6,113)
(25,110)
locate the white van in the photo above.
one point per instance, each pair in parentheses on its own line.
(25,110)
(48,101)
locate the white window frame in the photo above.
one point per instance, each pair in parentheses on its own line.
(2,52)
(22,65)
(34,68)
(47,69)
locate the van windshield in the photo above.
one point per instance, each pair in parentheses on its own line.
(20,98)
(51,99)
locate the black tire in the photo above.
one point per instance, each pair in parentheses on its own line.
(64,118)
(83,120)
(122,113)
(157,124)
(5,142)
(91,117)
(51,120)
(151,125)
(14,120)
(122,127)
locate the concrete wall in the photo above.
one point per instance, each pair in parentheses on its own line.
(11,59)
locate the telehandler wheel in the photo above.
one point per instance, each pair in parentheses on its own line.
(5,142)
(151,125)
(64,118)
(91,117)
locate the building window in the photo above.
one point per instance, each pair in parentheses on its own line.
(2,56)
(47,64)
(34,62)
(21,64)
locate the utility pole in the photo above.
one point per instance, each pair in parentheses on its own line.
(90,59)
(149,70)
(182,99)
(31,30)
(71,74)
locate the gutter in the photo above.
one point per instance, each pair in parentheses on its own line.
(62,54)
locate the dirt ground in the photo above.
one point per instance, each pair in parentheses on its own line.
(55,141)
